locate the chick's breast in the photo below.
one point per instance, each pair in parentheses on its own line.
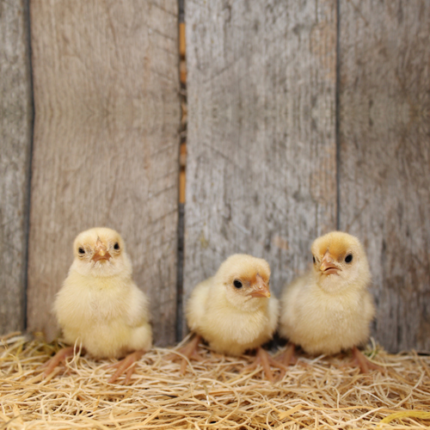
(228,329)
(108,315)
(321,323)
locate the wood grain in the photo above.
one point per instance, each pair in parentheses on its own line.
(15,138)
(261,166)
(106,144)
(385,158)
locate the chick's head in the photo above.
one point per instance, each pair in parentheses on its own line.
(100,252)
(340,262)
(245,280)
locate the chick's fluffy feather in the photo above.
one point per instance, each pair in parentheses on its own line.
(329,313)
(99,304)
(233,323)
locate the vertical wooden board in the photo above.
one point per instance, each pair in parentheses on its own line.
(15,143)
(261,166)
(385,158)
(106,144)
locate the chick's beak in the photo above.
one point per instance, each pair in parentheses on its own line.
(328,265)
(261,289)
(100,252)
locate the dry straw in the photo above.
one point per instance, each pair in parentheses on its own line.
(318,393)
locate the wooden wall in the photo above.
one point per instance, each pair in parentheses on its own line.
(15,154)
(303,117)
(261,170)
(105,144)
(385,158)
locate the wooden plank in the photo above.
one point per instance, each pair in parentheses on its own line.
(261,165)
(15,138)
(106,144)
(385,158)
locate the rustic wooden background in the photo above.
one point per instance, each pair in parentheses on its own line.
(303,117)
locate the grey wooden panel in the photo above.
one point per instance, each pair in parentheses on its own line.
(261,166)
(15,144)
(385,158)
(106,144)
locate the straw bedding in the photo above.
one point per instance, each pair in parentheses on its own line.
(319,392)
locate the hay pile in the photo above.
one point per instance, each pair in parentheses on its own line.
(320,393)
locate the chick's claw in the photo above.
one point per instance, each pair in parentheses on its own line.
(265,360)
(363,362)
(59,357)
(127,366)
(288,357)
(189,351)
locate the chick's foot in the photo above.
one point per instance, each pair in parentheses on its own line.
(127,366)
(189,351)
(288,357)
(59,357)
(265,360)
(363,362)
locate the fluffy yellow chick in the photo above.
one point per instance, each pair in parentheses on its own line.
(233,311)
(100,306)
(330,308)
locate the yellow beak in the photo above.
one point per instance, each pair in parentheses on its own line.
(328,264)
(262,289)
(101,252)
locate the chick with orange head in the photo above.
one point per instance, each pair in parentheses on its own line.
(234,310)
(99,305)
(329,309)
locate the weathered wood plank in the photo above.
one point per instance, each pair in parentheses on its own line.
(106,144)
(261,166)
(15,142)
(385,158)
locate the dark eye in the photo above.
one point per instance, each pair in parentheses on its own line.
(116,246)
(237,284)
(313,259)
(81,251)
(348,258)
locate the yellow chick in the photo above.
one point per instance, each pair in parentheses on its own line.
(100,306)
(330,308)
(233,310)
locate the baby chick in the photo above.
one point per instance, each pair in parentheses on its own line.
(100,306)
(233,310)
(330,308)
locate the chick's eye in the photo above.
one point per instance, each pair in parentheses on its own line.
(116,246)
(81,251)
(348,258)
(237,284)
(313,259)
